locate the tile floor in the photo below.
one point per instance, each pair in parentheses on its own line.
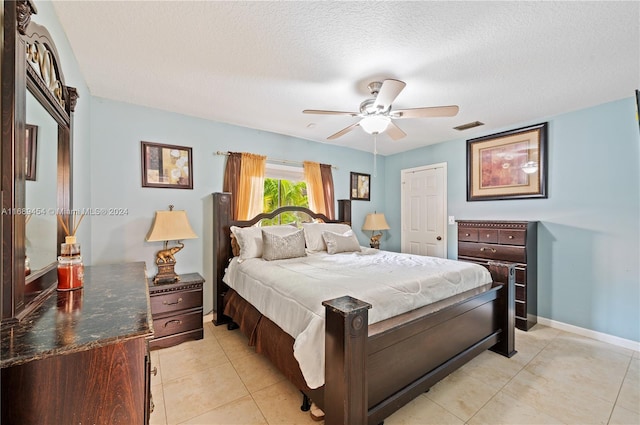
(556,378)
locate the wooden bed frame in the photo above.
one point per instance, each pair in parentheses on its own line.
(373,370)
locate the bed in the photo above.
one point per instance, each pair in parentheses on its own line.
(370,369)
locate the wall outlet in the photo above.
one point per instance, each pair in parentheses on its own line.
(452,220)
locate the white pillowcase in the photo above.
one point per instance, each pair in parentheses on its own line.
(313,234)
(347,242)
(276,247)
(250,238)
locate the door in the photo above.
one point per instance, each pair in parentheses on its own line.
(424,210)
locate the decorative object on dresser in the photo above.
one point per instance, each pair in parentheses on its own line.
(169,226)
(375,222)
(177,311)
(82,356)
(167,166)
(508,165)
(507,241)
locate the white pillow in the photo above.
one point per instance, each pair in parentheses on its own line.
(277,247)
(280,230)
(249,240)
(313,234)
(347,242)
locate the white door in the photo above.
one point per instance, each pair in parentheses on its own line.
(424,210)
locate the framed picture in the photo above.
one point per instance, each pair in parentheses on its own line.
(360,186)
(166,166)
(508,165)
(31,151)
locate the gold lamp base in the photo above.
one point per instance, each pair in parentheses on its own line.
(375,241)
(166,274)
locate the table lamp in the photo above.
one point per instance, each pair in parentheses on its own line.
(169,226)
(375,222)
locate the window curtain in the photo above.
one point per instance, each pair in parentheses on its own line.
(232,180)
(327,187)
(250,191)
(319,188)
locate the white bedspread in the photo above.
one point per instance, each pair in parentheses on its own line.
(290,292)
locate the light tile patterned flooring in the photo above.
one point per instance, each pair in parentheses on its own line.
(556,378)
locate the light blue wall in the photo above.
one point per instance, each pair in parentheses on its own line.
(116,132)
(589,231)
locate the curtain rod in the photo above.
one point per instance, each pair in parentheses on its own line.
(280,161)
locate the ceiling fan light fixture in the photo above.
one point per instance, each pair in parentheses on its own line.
(375,124)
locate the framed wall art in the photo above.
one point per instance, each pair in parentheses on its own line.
(360,186)
(31,151)
(508,165)
(166,166)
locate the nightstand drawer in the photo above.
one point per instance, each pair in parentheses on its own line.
(174,301)
(492,252)
(488,235)
(512,237)
(178,323)
(468,235)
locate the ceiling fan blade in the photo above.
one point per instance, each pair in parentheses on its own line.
(434,111)
(388,92)
(322,112)
(343,131)
(394,131)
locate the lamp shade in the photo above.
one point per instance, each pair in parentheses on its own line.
(170,226)
(375,124)
(375,221)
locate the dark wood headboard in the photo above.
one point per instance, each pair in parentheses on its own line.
(222,223)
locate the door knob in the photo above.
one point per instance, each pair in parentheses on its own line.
(439,238)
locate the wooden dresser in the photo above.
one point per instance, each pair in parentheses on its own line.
(177,310)
(506,241)
(82,356)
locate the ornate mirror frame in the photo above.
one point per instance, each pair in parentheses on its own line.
(30,61)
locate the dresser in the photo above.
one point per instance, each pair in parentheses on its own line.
(177,310)
(82,356)
(506,241)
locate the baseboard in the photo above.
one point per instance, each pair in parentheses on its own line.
(207,318)
(598,336)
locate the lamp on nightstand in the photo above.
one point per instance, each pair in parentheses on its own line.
(375,222)
(169,226)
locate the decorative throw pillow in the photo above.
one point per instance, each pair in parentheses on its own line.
(347,242)
(281,229)
(249,240)
(313,234)
(275,247)
(235,248)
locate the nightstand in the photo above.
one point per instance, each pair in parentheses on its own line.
(176,310)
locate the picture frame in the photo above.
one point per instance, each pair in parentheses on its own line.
(31,151)
(360,186)
(508,165)
(166,166)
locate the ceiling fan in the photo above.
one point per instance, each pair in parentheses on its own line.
(377,115)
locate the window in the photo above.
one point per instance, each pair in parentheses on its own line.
(284,185)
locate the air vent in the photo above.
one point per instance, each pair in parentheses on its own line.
(468,125)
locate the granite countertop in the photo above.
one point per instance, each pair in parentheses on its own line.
(112,306)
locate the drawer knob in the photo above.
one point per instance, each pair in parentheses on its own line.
(168,303)
(467,234)
(510,236)
(488,235)
(484,248)
(173,322)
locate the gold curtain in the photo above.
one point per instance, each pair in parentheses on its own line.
(315,192)
(327,188)
(232,180)
(251,188)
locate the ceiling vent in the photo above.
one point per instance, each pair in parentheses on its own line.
(468,125)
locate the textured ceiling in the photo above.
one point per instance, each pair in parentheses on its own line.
(259,64)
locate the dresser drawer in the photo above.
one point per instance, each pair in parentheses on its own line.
(521,292)
(469,235)
(521,275)
(488,235)
(174,301)
(521,309)
(511,237)
(514,254)
(177,323)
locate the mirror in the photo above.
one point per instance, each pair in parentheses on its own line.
(41,148)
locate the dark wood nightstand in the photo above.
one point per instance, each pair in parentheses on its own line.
(176,309)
